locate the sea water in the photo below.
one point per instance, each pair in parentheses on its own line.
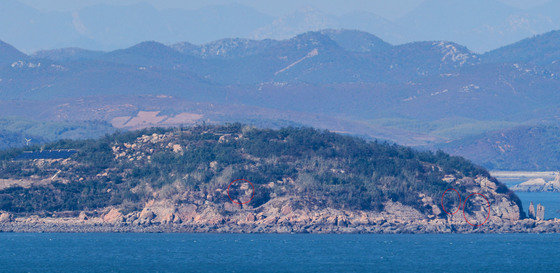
(550,200)
(279,253)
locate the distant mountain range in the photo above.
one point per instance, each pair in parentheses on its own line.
(9,54)
(18,132)
(540,50)
(518,148)
(420,93)
(481,25)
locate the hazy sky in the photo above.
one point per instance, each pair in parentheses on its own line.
(481,25)
(387,8)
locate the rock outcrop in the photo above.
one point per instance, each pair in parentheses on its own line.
(536,214)
(6,217)
(83,216)
(539,185)
(540,213)
(532,213)
(113,216)
(293,213)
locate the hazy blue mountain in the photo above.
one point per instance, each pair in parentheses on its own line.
(119,26)
(458,13)
(420,73)
(350,40)
(329,56)
(146,68)
(481,24)
(550,9)
(430,58)
(67,54)
(145,53)
(390,31)
(11,140)
(15,131)
(226,48)
(29,29)
(9,54)
(542,49)
(214,23)
(338,79)
(311,57)
(310,19)
(358,41)
(520,148)
(106,27)
(185,47)
(289,25)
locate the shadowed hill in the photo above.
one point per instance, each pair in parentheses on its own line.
(9,54)
(519,148)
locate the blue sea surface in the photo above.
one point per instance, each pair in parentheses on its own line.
(279,253)
(550,201)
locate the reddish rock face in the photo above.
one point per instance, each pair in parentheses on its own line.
(286,210)
(6,217)
(250,217)
(113,216)
(82,216)
(540,212)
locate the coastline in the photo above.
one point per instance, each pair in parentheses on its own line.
(420,227)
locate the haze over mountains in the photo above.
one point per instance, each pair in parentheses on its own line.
(481,25)
(518,148)
(419,93)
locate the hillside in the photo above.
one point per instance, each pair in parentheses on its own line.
(539,49)
(9,140)
(14,131)
(482,24)
(303,179)
(9,54)
(67,54)
(533,148)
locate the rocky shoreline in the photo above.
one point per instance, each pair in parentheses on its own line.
(291,214)
(495,213)
(419,227)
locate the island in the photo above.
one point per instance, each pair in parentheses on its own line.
(539,185)
(299,180)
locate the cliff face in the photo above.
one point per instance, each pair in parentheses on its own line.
(302,180)
(293,210)
(540,212)
(303,211)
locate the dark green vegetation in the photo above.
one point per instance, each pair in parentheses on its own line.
(130,168)
(520,148)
